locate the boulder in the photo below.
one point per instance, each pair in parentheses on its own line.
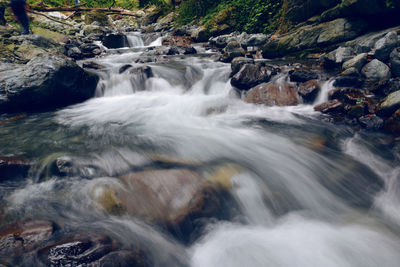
(389,104)
(385,46)
(124,68)
(309,90)
(395,62)
(200,34)
(348,81)
(256,40)
(250,75)
(371,122)
(90,49)
(115,40)
(45,83)
(273,95)
(75,53)
(392,125)
(238,62)
(336,57)
(300,10)
(302,76)
(190,51)
(334,107)
(376,71)
(173,197)
(173,51)
(314,37)
(24,236)
(11,168)
(233,49)
(356,62)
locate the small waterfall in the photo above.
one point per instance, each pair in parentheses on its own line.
(323,95)
(157,42)
(135,40)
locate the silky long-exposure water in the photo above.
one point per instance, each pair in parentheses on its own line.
(306,193)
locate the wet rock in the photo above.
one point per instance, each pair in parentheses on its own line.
(350,72)
(45,83)
(24,236)
(115,40)
(350,96)
(124,258)
(11,168)
(173,198)
(334,107)
(75,53)
(314,37)
(376,71)
(173,51)
(356,111)
(356,62)
(78,250)
(302,76)
(200,34)
(190,51)
(238,63)
(392,125)
(273,95)
(256,40)
(92,65)
(124,68)
(309,90)
(233,49)
(337,57)
(395,62)
(222,41)
(385,46)
(389,104)
(348,81)
(250,75)
(139,77)
(90,50)
(371,122)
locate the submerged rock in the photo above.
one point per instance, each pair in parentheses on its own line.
(45,83)
(173,198)
(24,236)
(80,249)
(273,95)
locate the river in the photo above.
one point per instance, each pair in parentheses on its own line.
(310,193)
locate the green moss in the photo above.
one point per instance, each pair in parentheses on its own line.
(55,36)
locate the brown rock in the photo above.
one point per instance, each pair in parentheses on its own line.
(273,95)
(330,107)
(309,90)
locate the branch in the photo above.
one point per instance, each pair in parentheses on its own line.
(80,9)
(51,18)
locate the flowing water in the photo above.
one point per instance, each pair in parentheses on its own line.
(310,193)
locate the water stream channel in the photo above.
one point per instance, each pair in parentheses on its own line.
(308,193)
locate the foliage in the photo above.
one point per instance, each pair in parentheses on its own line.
(127,4)
(244,15)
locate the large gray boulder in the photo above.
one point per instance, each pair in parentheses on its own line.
(376,71)
(250,75)
(44,83)
(314,37)
(395,62)
(385,46)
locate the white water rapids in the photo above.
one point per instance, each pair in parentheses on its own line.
(299,205)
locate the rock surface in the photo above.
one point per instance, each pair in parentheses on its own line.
(273,95)
(376,71)
(45,83)
(389,104)
(250,75)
